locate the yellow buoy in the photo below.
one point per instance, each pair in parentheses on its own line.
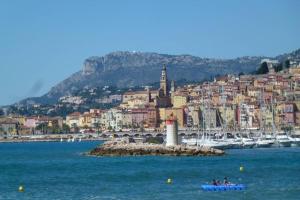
(241,168)
(169,181)
(21,188)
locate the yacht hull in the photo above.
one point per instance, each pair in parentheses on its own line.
(248,145)
(284,143)
(295,144)
(264,145)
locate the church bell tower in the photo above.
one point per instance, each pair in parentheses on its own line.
(164,81)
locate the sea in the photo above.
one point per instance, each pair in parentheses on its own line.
(61,170)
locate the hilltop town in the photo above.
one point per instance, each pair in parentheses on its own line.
(267,100)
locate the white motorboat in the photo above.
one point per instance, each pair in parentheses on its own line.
(266,141)
(235,143)
(283,141)
(248,143)
(210,143)
(218,144)
(295,140)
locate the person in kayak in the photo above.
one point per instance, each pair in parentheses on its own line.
(214,182)
(226,182)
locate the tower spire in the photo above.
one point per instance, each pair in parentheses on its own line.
(164,81)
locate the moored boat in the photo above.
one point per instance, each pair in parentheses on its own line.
(248,143)
(283,141)
(295,140)
(266,141)
(235,143)
(218,144)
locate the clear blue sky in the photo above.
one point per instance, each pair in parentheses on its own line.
(43,42)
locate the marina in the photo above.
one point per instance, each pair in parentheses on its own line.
(189,138)
(240,142)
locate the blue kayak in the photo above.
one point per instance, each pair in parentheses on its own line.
(223,187)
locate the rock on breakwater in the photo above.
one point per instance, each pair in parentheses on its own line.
(122,148)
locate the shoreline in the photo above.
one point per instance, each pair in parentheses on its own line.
(32,141)
(47,139)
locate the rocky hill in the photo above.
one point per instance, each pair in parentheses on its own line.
(126,69)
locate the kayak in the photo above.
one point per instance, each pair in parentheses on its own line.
(208,187)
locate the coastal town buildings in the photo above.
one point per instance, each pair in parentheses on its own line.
(229,102)
(8,126)
(246,102)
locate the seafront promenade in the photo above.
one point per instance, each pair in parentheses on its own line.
(212,139)
(53,138)
(91,136)
(117,134)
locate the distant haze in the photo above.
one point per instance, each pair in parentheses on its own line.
(44,42)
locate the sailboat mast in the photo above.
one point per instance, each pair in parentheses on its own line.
(261,125)
(225,112)
(273,124)
(209,111)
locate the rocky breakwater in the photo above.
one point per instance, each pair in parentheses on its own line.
(122,148)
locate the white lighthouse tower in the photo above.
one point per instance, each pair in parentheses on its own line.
(172,131)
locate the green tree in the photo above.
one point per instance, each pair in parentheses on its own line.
(241,73)
(263,69)
(66,128)
(287,64)
(278,67)
(55,129)
(43,127)
(18,128)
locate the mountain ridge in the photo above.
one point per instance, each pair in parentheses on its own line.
(129,69)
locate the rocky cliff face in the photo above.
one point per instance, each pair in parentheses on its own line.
(125,69)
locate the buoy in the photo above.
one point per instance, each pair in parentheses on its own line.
(241,168)
(169,181)
(21,188)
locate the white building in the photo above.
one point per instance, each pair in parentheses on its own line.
(112,119)
(246,116)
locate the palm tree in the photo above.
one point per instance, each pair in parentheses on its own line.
(42,127)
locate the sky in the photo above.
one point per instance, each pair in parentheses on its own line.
(44,42)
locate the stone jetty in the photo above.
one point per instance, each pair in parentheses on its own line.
(123,148)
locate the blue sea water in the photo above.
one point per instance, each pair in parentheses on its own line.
(60,171)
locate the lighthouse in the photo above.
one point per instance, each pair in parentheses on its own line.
(172,131)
